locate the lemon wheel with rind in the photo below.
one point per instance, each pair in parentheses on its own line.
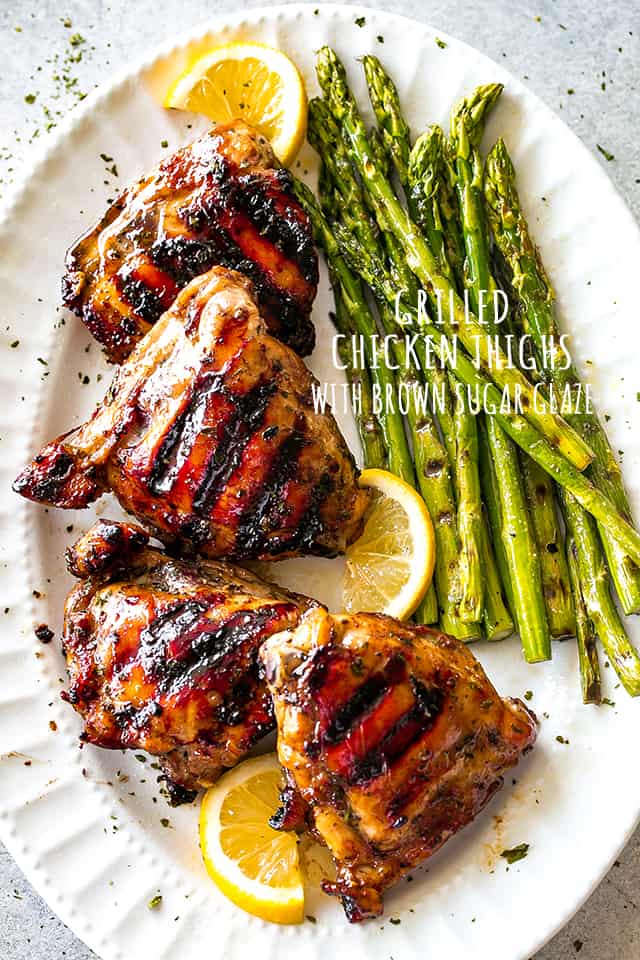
(248,81)
(255,866)
(389,568)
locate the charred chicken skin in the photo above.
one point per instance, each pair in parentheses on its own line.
(209,434)
(392,739)
(162,654)
(220,200)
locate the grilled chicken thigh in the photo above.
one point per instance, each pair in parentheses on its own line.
(392,739)
(208,433)
(220,200)
(162,653)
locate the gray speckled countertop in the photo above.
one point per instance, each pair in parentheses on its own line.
(581,56)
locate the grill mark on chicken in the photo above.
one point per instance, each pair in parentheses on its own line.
(367,696)
(365,735)
(220,200)
(184,257)
(240,246)
(306,526)
(231,435)
(179,439)
(147,290)
(249,414)
(181,646)
(400,738)
(280,223)
(250,535)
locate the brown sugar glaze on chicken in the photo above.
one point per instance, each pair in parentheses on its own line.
(223,200)
(162,654)
(392,738)
(209,434)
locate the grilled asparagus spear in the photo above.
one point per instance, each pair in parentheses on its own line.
(532,285)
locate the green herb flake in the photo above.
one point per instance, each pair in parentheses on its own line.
(528,695)
(394,920)
(360,21)
(440,43)
(570,91)
(155,902)
(515,853)
(166,823)
(311,918)
(608,702)
(164,144)
(30,98)
(606,153)
(66,22)
(16,343)
(380,38)
(562,739)
(76,39)
(106,158)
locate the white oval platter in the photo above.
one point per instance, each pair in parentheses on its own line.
(85,825)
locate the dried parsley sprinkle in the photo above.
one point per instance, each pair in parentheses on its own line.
(30,98)
(164,143)
(515,853)
(16,343)
(380,38)
(360,21)
(562,739)
(528,695)
(106,158)
(165,822)
(76,39)
(155,901)
(605,153)
(441,43)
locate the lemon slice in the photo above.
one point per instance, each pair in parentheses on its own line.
(254,865)
(389,569)
(251,81)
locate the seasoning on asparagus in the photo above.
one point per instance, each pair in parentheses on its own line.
(585,634)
